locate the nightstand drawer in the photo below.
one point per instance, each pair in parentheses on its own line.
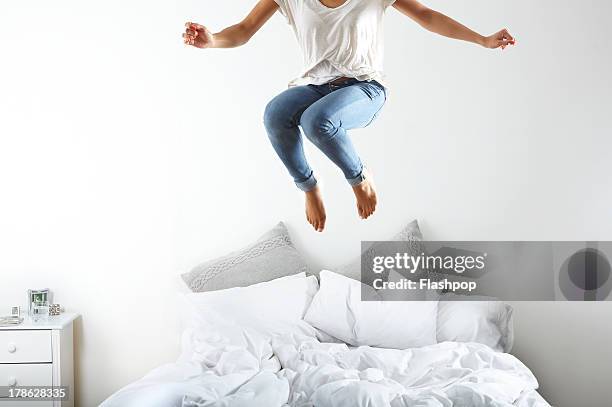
(25,346)
(39,374)
(24,375)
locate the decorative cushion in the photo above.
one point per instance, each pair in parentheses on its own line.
(271,256)
(411,234)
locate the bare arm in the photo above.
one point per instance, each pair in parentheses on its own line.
(234,36)
(440,24)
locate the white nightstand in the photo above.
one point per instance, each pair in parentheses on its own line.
(38,354)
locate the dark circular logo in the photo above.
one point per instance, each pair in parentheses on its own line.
(584,275)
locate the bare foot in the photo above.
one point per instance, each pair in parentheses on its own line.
(366,196)
(315,210)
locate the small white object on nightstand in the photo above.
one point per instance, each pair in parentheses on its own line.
(38,354)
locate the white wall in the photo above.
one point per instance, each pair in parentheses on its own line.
(126,158)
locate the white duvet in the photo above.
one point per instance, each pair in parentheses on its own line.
(298,370)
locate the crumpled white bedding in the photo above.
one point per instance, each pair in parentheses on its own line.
(298,370)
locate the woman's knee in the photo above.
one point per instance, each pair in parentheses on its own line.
(318,126)
(276,115)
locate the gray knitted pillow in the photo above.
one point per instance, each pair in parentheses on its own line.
(271,256)
(411,234)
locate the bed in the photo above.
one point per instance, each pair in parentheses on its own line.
(261,332)
(295,342)
(310,373)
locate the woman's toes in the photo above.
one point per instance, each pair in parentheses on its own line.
(315,210)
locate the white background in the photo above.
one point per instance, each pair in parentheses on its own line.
(126,158)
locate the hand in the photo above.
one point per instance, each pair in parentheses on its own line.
(499,40)
(197,35)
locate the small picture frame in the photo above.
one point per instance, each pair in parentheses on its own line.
(38,302)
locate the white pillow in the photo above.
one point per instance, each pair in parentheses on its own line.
(280,301)
(487,321)
(244,319)
(337,310)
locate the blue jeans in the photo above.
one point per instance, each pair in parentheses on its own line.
(325,113)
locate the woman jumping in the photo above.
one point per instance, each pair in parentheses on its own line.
(341,87)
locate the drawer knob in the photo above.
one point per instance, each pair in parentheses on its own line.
(12,382)
(12,348)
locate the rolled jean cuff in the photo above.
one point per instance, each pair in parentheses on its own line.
(307,185)
(357,180)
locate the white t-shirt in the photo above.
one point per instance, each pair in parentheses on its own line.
(343,41)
